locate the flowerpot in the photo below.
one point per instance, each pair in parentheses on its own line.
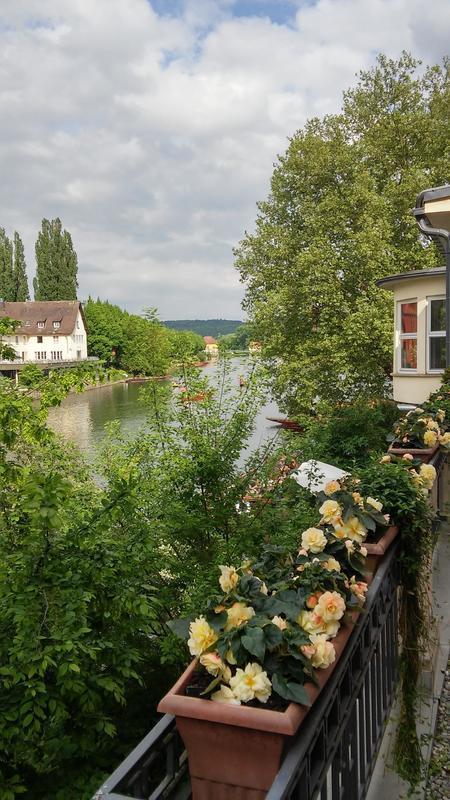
(234,751)
(424,454)
(376,551)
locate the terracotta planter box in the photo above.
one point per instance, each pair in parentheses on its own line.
(235,751)
(424,454)
(375,552)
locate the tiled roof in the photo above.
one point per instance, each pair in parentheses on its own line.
(47,311)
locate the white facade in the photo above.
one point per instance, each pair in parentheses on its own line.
(63,337)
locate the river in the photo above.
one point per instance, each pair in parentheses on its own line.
(81,418)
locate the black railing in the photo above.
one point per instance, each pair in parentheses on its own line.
(334,752)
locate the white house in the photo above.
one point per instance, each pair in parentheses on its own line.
(49,331)
(419,332)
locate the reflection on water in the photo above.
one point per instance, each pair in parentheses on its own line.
(81,418)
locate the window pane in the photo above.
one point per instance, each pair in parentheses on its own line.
(437,352)
(437,315)
(409,354)
(409,318)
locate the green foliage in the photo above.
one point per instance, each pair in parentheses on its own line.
(21,291)
(7,328)
(146,348)
(346,435)
(185,345)
(106,337)
(394,484)
(239,340)
(6,267)
(56,263)
(205,327)
(336,220)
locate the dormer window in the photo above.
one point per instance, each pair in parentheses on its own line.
(27,323)
(57,325)
(41,324)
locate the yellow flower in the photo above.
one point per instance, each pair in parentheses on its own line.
(280,623)
(357,498)
(225,695)
(332,564)
(445,438)
(432,425)
(430,438)
(385,459)
(239,614)
(428,475)
(313,539)
(201,637)
(228,578)
(374,503)
(331,606)
(251,682)
(363,551)
(350,546)
(359,589)
(331,487)
(311,622)
(408,457)
(324,652)
(213,664)
(440,416)
(351,529)
(331,512)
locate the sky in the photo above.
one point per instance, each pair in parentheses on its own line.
(151,127)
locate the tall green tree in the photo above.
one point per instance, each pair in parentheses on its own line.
(6,268)
(21,290)
(56,263)
(337,219)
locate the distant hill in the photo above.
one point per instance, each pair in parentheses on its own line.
(205,327)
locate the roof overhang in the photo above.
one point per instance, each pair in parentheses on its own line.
(419,274)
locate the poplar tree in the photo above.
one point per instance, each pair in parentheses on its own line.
(21,291)
(6,267)
(56,263)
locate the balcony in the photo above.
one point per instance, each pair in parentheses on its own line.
(333,755)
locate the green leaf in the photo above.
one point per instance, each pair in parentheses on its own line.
(273,636)
(254,643)
(180,627)
(290,691)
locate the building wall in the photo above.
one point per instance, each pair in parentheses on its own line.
(52,348)
(415,387)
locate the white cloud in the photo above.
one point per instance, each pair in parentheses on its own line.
(153,135)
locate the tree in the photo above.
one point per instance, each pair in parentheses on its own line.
(6,268)
(105,323)
(56,263)
(7,328)
(337,219)
(21,291)
(146,348)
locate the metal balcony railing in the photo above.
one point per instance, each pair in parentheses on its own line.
(334,752)
(333,755)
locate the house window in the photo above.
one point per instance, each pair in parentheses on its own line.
(56,325)
(408,335)
(436,333)
(56,338)
(56,355)
(40,355)
(39,339)
(27,323)
(41,324)
(17,340)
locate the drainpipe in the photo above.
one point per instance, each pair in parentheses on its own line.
(442,239)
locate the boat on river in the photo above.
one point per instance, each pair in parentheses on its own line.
(288,424)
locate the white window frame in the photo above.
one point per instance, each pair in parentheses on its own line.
(56,325)
(41,325)
(403,336)
(433,334)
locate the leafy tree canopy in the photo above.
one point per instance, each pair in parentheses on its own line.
(56,263)
(337,219)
